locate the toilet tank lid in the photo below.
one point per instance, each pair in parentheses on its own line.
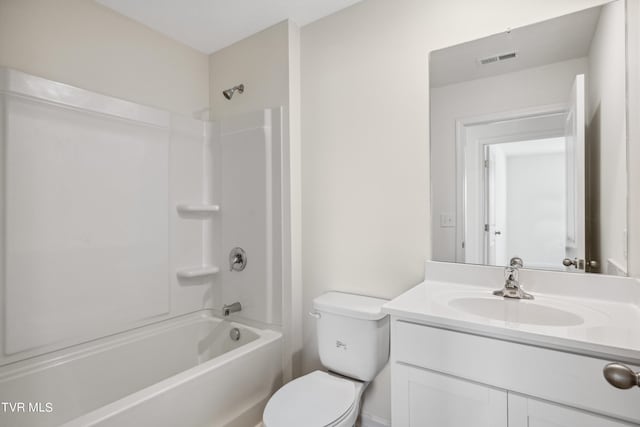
(350,305)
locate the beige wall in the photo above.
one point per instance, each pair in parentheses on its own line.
(294,162)
(365,104)
(633,135)
(261,63)
(83,44)
(606,127)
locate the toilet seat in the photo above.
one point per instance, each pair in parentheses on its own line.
(317,399)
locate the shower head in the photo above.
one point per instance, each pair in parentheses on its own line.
(229,92)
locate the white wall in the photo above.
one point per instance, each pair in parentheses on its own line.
(633,127)
(365,103)
(536,231)
(606,120)
(546,85)
(83,44)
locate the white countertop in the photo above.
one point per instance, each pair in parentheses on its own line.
(609,329)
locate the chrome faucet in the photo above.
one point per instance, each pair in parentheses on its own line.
(512,288)
(231,308)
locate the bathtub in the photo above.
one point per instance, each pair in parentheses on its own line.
(181,372)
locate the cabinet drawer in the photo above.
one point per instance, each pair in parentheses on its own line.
(557,376)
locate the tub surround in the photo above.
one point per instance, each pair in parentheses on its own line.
(79,261)
(118,218)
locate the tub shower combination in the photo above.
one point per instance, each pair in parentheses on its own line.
(188,371)
(117,223)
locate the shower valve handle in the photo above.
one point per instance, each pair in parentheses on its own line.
(237,259)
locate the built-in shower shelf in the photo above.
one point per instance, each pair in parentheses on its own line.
(195,208)
(193,272)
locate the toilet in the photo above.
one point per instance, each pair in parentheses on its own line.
(353,343)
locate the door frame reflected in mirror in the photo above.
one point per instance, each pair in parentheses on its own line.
(473,136)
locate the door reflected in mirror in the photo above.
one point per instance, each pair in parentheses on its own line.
(528,145)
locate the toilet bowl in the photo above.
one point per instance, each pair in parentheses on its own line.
(353,343)
(318,399)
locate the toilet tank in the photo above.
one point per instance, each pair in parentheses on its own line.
(353,334)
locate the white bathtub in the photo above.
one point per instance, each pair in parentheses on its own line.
(183,372)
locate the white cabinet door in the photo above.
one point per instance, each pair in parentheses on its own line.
(425,398)
(528,412)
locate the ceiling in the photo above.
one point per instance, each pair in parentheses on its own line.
(555,40)
(210,25)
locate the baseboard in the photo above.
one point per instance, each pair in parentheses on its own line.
(368,420)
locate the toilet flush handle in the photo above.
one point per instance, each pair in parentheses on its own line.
(315,314)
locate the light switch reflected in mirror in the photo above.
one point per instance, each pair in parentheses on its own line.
(528,145)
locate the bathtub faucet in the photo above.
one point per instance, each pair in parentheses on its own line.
(227,309)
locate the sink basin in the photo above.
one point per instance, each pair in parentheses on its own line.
(597,315)
(516,311)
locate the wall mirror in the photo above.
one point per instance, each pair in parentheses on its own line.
(528,145)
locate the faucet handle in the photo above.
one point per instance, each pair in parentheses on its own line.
(237,259)
(516,262)
(511,276)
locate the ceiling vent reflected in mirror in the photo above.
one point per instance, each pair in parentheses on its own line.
(537,45)
(498,58)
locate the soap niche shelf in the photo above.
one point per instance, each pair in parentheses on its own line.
(193,272)
(192,208)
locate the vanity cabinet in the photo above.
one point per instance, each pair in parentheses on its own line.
(447,378)
(433,399)
(528,412)
(426,398)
